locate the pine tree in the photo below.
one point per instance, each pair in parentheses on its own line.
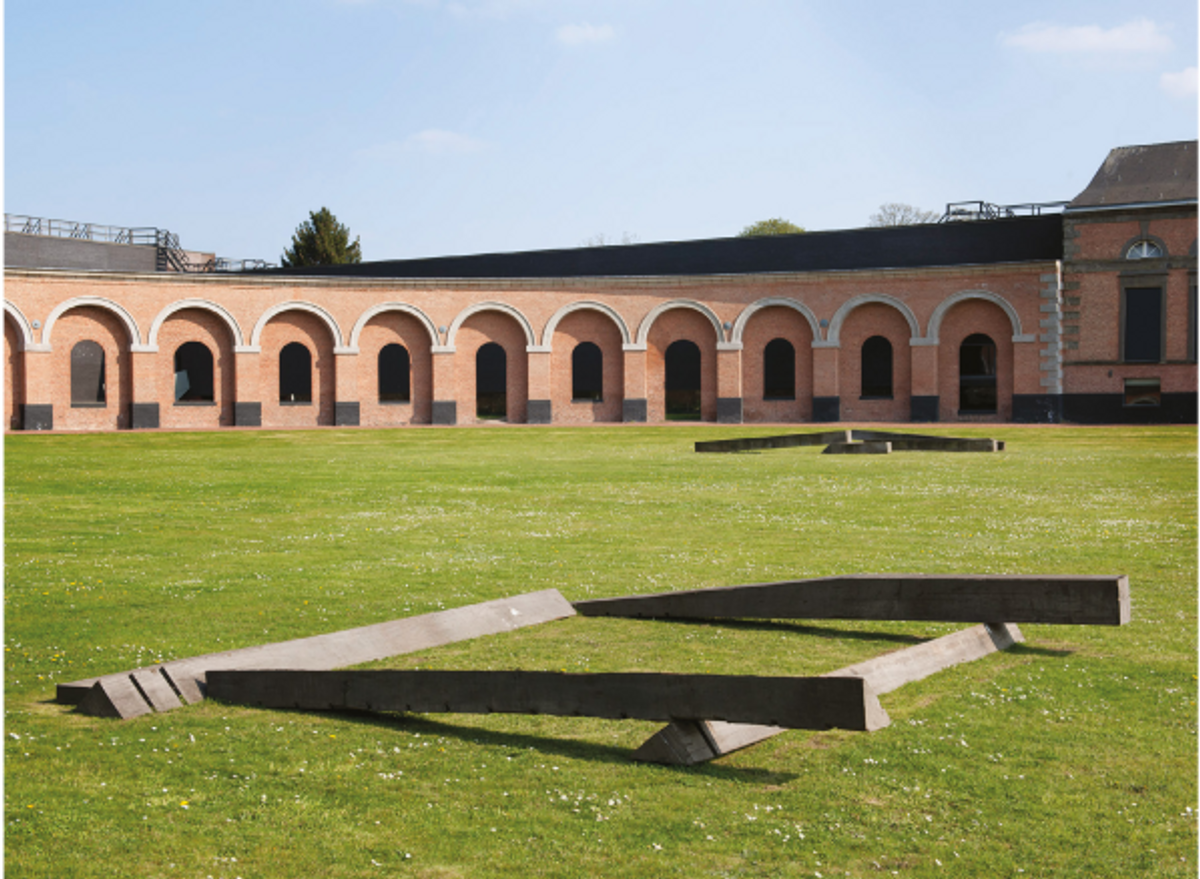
(321,241)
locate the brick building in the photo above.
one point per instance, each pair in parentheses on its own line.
(1086,315)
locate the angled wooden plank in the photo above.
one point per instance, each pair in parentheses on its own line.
(155,688)
(868,447)
(786,441)
(800,703)
(1064,600)
(882,674)
(115,696)
(351,646)
(915,442)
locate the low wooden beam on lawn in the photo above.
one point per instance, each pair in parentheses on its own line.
(786,441)
(790,702)
(183,680)
(695,741)
(958,598)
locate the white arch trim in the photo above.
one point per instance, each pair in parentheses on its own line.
(297,305)
(23,326)
(657,311)
(385,307)
(588,305)
(935,321)
(135,337)
(491,306)
(202,305)
(839,317)
(739,325)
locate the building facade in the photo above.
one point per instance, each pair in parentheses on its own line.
(1085,315)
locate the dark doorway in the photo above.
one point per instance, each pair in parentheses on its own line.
(779,370)
(491,382)
(193,373)
(295,374)
(977,374)
(394,366)
(877,368)
(87,374)
(1143,325)
(683,381)
(587,373)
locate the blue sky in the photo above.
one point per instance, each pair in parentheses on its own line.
(433,127)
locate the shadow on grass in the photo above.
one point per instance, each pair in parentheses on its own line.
(1028,650)
(572,748)
(826,632)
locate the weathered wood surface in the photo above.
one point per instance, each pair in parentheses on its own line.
(1064,600)
(695,741)
(786,441)
(185,678)
(789,702)
(915,442)
(869,447)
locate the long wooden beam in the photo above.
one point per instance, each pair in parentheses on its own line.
(695,741)
(789,702)
(1063,600)
(171,684)
(786,441)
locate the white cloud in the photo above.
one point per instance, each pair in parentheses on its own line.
(1181,84)
(1142,35)
(579,34)
(432,141)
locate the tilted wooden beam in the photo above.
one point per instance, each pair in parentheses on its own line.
(786,441)
(1063,600)
(695,741)
(166,686)
(790,702)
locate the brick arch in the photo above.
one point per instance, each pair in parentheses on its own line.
(865,321)
(482,307)
(211,328)
(312,328)
(110,329)
(21,325)
(658,311)
(384,308)
(839,317)
(739,325)
(673,324)
(297,305)
(507,328)
(939,313)
(16,340)
(117,310)
(564,333)
(968,316)
(757,327)
(228,319)
(552,324)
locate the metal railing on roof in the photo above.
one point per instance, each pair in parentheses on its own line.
(984,210)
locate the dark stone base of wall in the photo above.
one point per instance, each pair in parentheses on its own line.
(445,412)
(729,410)
(538,412)
(923,409)
(1037,408)
(827,409)
(633,410)
(345,414)
(1111,409)
(37,416)
(247,414)
(143,416)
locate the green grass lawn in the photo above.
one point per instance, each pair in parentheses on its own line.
(1074,754)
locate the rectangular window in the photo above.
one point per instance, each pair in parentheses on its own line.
(1142,330)
(1143,392)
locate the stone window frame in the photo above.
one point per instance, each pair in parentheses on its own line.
(1138,280)
(1128,246)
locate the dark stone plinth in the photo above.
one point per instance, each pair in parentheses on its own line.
(37,416)
(345,414)
(445,412)
(923,408)
(1037,408)
(633,410)
(827,409)
(539,412)
(143,416)
(247,414)
(729,410)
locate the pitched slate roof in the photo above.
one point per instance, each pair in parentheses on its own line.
(1140,175)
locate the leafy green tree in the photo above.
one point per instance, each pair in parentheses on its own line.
(321,241)
(773,226)
(899,214)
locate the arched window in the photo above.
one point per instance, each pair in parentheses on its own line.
(491,382)
(977,374)
(587,373)
(1144,249)
(193,373)
(295,374)
(877,367)
(394,374)
(779,370)
(683,381)
(87,374)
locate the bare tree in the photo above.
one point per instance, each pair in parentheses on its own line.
(899,214)
(602,240)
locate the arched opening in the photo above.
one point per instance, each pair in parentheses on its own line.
(295,374)
(877,368)
(193,373)
(977,374)
(394,371)
(683,381)
(491,381)
(87,374)
(779,370)
(587,373)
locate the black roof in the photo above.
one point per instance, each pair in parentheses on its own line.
(1160,172)
(1017,239)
